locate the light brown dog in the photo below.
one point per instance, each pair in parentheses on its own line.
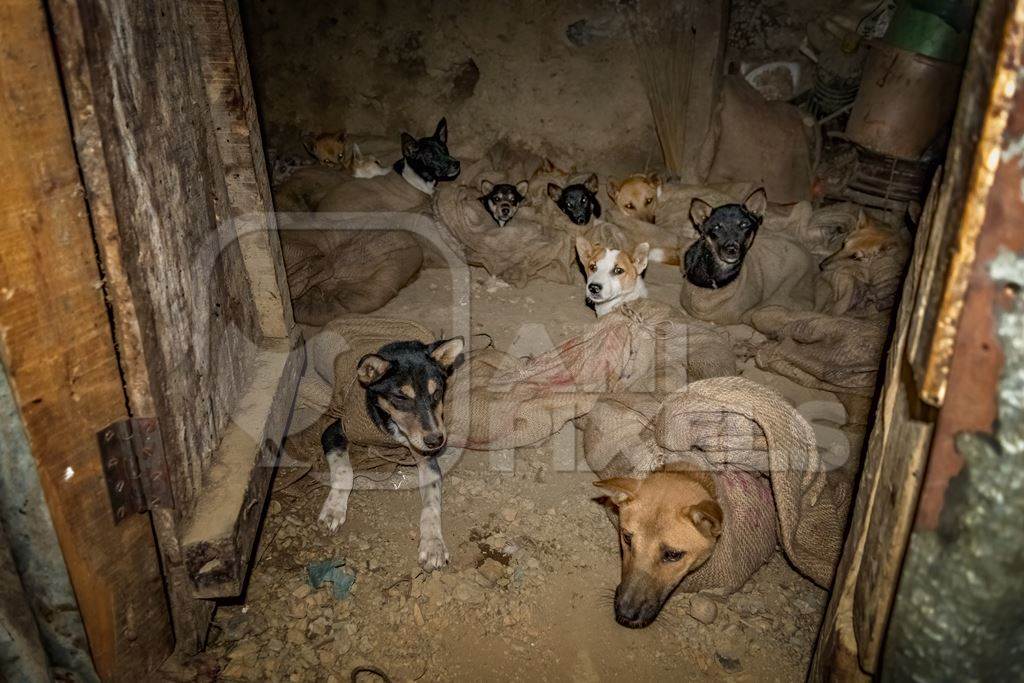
(327,148)
(867,241)
(669,524)
(637,195)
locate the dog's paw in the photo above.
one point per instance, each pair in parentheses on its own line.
(433,553)
(335,510)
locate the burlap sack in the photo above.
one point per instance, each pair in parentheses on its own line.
(776,271)
(837,354)
(736,428)
(753,140)
(642,346)
(529,246)
(333,272)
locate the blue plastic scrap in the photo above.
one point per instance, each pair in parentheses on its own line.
(333,572)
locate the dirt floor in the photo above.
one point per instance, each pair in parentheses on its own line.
(534,559)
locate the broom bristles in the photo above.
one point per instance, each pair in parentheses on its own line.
(663,35)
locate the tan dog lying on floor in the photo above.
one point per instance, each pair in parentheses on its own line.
(669,524)
(613,276)
(637,195)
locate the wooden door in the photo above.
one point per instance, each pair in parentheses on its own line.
(59,356)
(161,104)
(907,433)
(142,289)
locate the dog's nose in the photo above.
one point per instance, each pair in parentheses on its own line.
(434,440)
(594,288)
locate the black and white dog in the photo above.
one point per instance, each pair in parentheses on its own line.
(404,383)
(426,161)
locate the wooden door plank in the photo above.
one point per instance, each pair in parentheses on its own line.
(218,27)
(55,340)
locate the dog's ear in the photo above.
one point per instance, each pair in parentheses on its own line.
(699,212)
(554,191)
(613,189)
(654,179)
(371,368)
(597,208)
(591,183)
(620,489)
(706,516)
(441,132)
(448,353)
(583,249)
(522,187)
(356,154)
(640,254)
(409,145)
(756,202)
(486,186)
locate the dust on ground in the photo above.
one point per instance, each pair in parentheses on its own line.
(534,560)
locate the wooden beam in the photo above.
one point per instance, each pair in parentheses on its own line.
(56,341)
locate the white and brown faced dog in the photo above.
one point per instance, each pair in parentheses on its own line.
(614,276)
(637,195)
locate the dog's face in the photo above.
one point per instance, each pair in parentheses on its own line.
(503,200)
(669,524)
(328,148)
(637,195)
(429,156)
(611,273)
(579,201)
(867,241)
(405,383)
(729,230)
(367,166)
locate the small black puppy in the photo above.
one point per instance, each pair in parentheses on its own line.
(503,200)
(426,161)
(577,201)
(726,233)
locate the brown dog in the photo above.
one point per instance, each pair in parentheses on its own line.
(867,241)
(669,523)
(327,148)
(637,195)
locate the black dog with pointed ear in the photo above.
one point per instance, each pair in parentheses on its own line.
(427,159)
(726,234)
(577,201)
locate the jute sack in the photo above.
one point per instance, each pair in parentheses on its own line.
(838,354)
(525,248)
(735,428)
(764,143)
(642,346)
(776,271)
(334,271)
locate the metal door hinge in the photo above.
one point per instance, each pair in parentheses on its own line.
(136,470)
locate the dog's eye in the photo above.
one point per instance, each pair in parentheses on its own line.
(672,555)
(627,538)
(400,401)
(648,200)
(592,267)
(617,271)
(630,206)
